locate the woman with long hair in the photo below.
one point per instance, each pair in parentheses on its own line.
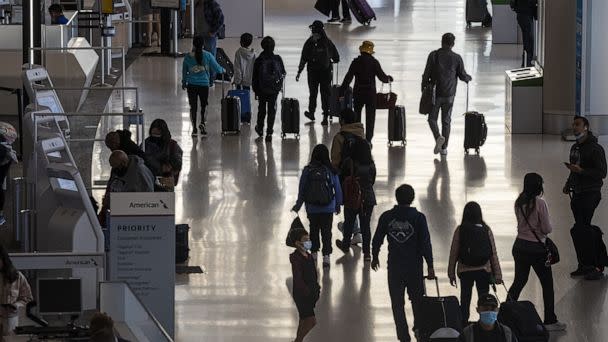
(320,190)
(15,292)
(196,79)
(162,154)
(533,226)
(474,250)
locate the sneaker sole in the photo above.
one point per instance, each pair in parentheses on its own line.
(438,144)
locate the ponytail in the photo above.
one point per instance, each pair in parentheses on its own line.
(198,43)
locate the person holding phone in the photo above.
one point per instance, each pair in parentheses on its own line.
(15,292)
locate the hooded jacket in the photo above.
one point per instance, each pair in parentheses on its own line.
(443,68)
(590,156)
(265,57)
(364,69)
(127,145)
(243,66)
(198,75)
(336,146)
(137,178)
(308,54)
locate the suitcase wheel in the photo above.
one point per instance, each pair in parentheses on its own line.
(403,143)
(466,151)
(297,136)
(390,144)
(477,151)
(468,24)
(282,136)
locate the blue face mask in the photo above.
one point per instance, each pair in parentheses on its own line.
(488,317)
(580,135)
(308,245)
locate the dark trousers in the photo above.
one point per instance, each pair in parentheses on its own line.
(319,80)
(335,9)
(365,215)
(445,104)
(321,223)
(526,24)
(196,93)
(583,207)
(528,255)
(3,173)
(370,113)
(481,279)
(400,279)
(267,106)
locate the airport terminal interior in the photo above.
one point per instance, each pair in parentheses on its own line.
(236,192)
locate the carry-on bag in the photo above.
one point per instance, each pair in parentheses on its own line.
(290,116)
(386,100)
(523,319)
(427,99)
(476,11)
(590,242)
(338,102)
(224,61)
(439,316)
(182,250)
(475,128)
(396,125)
(362,11)
(323,6)
(245,96)
(231,112)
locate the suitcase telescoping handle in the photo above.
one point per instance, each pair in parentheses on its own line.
(436,286)
(337,70)
(441,300)
(504,286)
(467,109)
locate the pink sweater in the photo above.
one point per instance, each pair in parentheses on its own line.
(538,221)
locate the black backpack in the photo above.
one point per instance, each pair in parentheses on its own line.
(475,245)
(271,76)
(348,146)
(319,188)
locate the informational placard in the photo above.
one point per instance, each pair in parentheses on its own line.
(172,4)
(142,249)
(578,110)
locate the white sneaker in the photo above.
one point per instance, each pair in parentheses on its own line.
(557,326)
(326,261)
(439,144)
(444,152)
(358,238)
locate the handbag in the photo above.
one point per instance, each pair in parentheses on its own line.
(427,100)
(386,100)
(549,246)
(295,225)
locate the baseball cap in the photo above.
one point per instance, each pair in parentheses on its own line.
(487,300)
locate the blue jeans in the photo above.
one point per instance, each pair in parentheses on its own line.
(444,104)
(211,46)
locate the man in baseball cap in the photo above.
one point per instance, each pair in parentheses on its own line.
(487,329)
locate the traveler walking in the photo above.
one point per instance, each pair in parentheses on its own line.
(162,154)
(318,54)
(533,225)
(343,142)
(364,69)
(320,190)
(409,242)
(527,11)
(211,21)
(335,12)
(197,69)
(15,295)
(268,75)
(8,156)
(487,329)
(243,63)
(443,69)
(474,250)
(587,167)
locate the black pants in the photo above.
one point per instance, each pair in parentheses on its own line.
(321,223)
(583,207)
(267,106)
(335,9)
(481,279)
(526,24)
(3,173)
(196,93)
(399,279)
(365,216)
(528,255)
(319,80)
(370,113)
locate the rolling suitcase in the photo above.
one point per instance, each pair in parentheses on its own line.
(245,96)
(290,116)
(231,112)
(396,125)
(338,102)
(182,250)
(362,11)
(223,60)
(523,319)
(590,243)
(439,316)
(476,11)
(475,129)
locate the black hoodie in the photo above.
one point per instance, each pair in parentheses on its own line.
(589,155)
(127,145)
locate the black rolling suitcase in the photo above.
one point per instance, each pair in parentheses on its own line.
(590,243)
(523,319)
(338,102)
(396,125)
(231,114)
(290,116)
(223,60)
(182,250)
(475,129)
(476,11)
(439,317)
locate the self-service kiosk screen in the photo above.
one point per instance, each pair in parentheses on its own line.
(49,101)
(66,184)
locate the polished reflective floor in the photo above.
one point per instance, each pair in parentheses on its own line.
(236,192)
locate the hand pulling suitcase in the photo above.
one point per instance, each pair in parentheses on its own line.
(231,112)
(396,125)
(437,314)
(475,129)
(362,11)
(338,102)
(523,319)
(290,116)
(223,60)
(182,250)
(476,11)
(245,96)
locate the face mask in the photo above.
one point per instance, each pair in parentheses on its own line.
(580,135)
(316,36)
(488,317)
(307,245)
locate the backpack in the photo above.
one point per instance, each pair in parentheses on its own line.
(475,245)
(351,188)
(348,146)
(319,58)
(319,188)
(271,76)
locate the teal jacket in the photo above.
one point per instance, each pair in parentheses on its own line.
(198,75)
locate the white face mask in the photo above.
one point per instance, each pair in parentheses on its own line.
(307,245)
(581,135)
